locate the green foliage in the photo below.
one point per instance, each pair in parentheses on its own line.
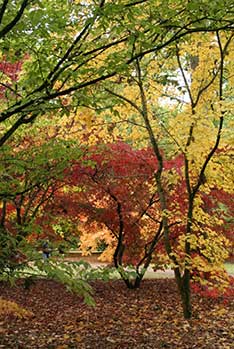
(66,47)
(22,260)
(7,253)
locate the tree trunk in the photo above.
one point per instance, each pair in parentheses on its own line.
(183,284)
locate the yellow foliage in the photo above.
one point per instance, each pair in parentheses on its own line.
(161,261)
(91,235)
(220,171)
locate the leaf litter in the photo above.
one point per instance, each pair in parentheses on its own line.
(148,317)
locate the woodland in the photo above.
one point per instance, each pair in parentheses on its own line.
(116,137)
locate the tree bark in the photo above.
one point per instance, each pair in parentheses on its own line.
(183,284)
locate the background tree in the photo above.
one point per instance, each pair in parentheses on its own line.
(111,194)
(30,176)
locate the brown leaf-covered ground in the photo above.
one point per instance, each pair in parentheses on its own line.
(149,317)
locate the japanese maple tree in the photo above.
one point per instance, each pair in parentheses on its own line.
(113,197)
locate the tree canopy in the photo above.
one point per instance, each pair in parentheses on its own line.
(124,110)
(67,47)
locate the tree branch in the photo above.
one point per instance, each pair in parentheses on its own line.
(13,23)
(3,9)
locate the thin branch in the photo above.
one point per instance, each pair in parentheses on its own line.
(139,2)
(15,20)
(170,135)
(3,9)
(22,120)
(146,259)
(184,76)
(56,72)
(223,52)
(10,88)
(124,98)
(3,213)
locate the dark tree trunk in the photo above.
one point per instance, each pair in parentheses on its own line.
(183,284)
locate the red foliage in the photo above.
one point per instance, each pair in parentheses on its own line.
(11,70)
(117,189)
(116,177)
(215,292)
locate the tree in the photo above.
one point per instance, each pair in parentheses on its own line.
(196,137)
(63,69)
(106,194)
(114,199)
(67,47)
(30,176)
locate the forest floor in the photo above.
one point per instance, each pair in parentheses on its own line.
(149,317)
